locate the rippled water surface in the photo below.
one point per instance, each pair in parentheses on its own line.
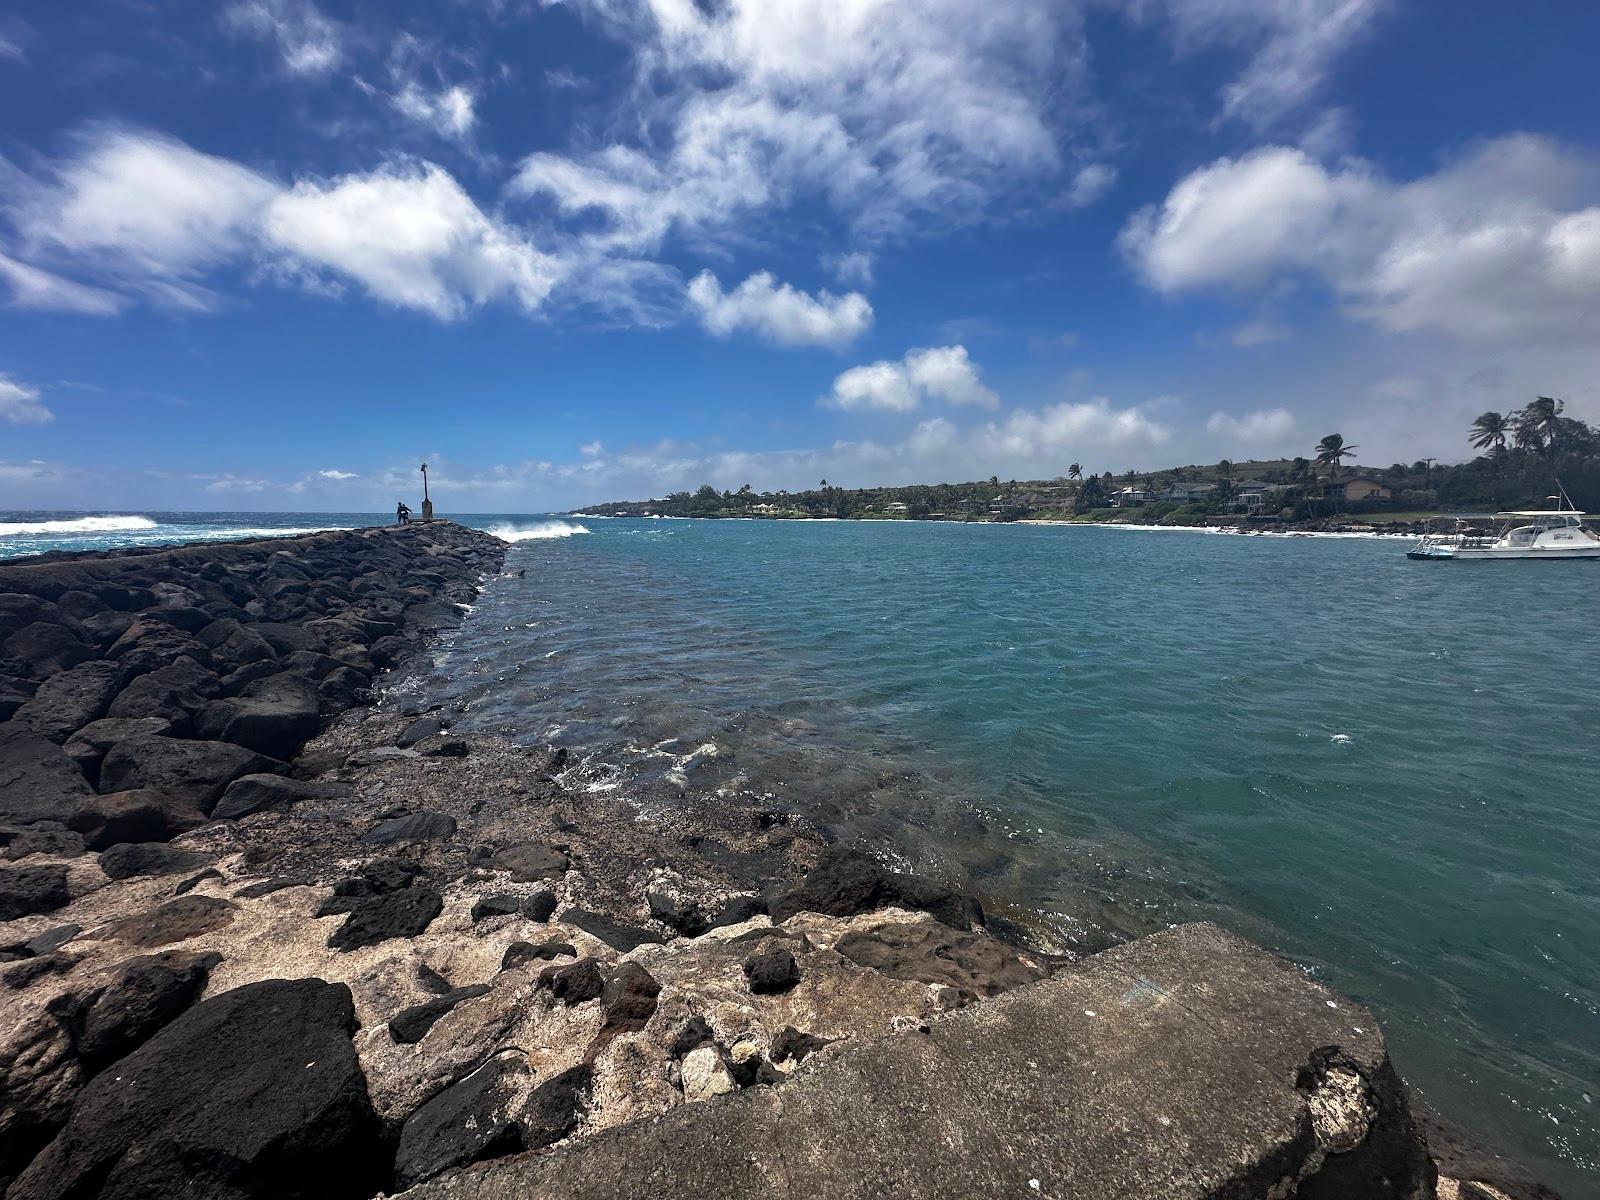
(1385,769)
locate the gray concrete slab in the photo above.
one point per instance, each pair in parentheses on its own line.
(1164,1068)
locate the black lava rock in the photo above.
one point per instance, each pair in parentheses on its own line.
(539,906)
(529,862)
(847,882)
(411,1025)
(771,971)
(554,1109)
(148,993)
(374,919)
(257,1092)
(131,859)
(574,983)
(496,906)
(417,827)
(628,998)
(519,953)
(468,1122)
(28,890)
(790,1043)
(140,815)
(615,934)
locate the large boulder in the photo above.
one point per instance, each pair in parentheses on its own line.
(140,815)
(176,692)
(274,716)
(47,648)
(928,952)
(147,993)
(37,781)
(397,914)
(197,772)
(87,748)
(266,793)
(254,1093)
(414,827)
(132,859)
(68,701)
(149,645)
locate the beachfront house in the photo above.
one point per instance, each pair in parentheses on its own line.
(1355,487)
(1130,497)
(1187,493)
(1254,496)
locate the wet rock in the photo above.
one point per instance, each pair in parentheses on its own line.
(67,702)
(273,716)
(198,772)
(619,937)
(262,793)
(396,914)
(977,965)
(412,1024)
(529,862)
(140,815)
(555,1107)
(422,727)
(416,827)
(705,1075)
(148,992)
(846,882)
(256,1092)
(38,782)
(519,953)
(771,971)
(131,859)
(175,921)
(575,983)
(28,890)
(468,1122)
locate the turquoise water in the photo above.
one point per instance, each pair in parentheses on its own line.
(1384,769)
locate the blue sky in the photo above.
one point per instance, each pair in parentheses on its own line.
(270,254)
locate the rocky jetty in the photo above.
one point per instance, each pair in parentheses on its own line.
(258,938)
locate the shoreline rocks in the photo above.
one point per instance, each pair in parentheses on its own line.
(391,950)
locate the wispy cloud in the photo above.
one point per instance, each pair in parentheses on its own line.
(20,404)
(308,42)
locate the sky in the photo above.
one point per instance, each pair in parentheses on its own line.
(273,254)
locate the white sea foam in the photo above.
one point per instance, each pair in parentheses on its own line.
(537,532)
(76,525)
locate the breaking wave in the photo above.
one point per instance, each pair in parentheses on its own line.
(76,525)
(533,533)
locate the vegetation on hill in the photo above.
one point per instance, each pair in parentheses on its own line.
(1524,454)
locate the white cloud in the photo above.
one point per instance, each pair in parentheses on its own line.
(1292,45)
(448,111)
(143,209)
(854,269)
(1091,183)
(229,482)
(10,49)
(307,40)
(1260,332)
(1502,245)
(936,373)
(778,312)
(35,288)
(20,405)
(338,476)
(1272,427)
(410,236)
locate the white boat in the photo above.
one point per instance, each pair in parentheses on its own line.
(1555,533)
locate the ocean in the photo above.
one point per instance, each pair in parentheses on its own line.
(1385,770)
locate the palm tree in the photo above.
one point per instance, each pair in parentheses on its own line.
(1332,451)
(1544,418)
(1489,431)
(1075,471)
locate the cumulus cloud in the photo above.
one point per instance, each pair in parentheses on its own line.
(1091,183)
(35,288)
(308,42)
(937,373)
(411,237)
(1273,426)
(778,312)
(20,404)
(153,216)
(854,269)
(1501,245)
(338,476)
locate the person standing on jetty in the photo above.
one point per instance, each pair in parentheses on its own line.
(402,514)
